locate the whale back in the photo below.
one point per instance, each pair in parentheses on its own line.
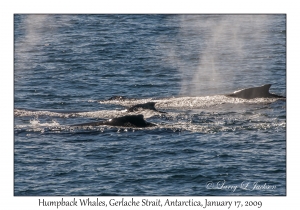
(255,92)
(129,121)
(125,121)
(148,105)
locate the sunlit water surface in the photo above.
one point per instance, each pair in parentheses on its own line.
(68,66)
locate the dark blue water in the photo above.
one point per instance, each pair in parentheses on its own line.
(66,67)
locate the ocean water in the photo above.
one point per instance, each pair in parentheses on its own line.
(67,67)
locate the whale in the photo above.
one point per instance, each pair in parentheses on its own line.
(254,92)
(125,121)
(148,105)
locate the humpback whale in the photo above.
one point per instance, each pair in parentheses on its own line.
(255,92)
(148,105)
(125,121)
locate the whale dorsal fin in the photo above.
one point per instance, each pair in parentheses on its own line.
(254,92)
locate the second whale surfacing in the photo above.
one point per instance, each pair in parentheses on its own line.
(125,121)
(255,92)
(148,105)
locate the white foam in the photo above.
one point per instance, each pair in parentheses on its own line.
(191,102)
(37,123)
